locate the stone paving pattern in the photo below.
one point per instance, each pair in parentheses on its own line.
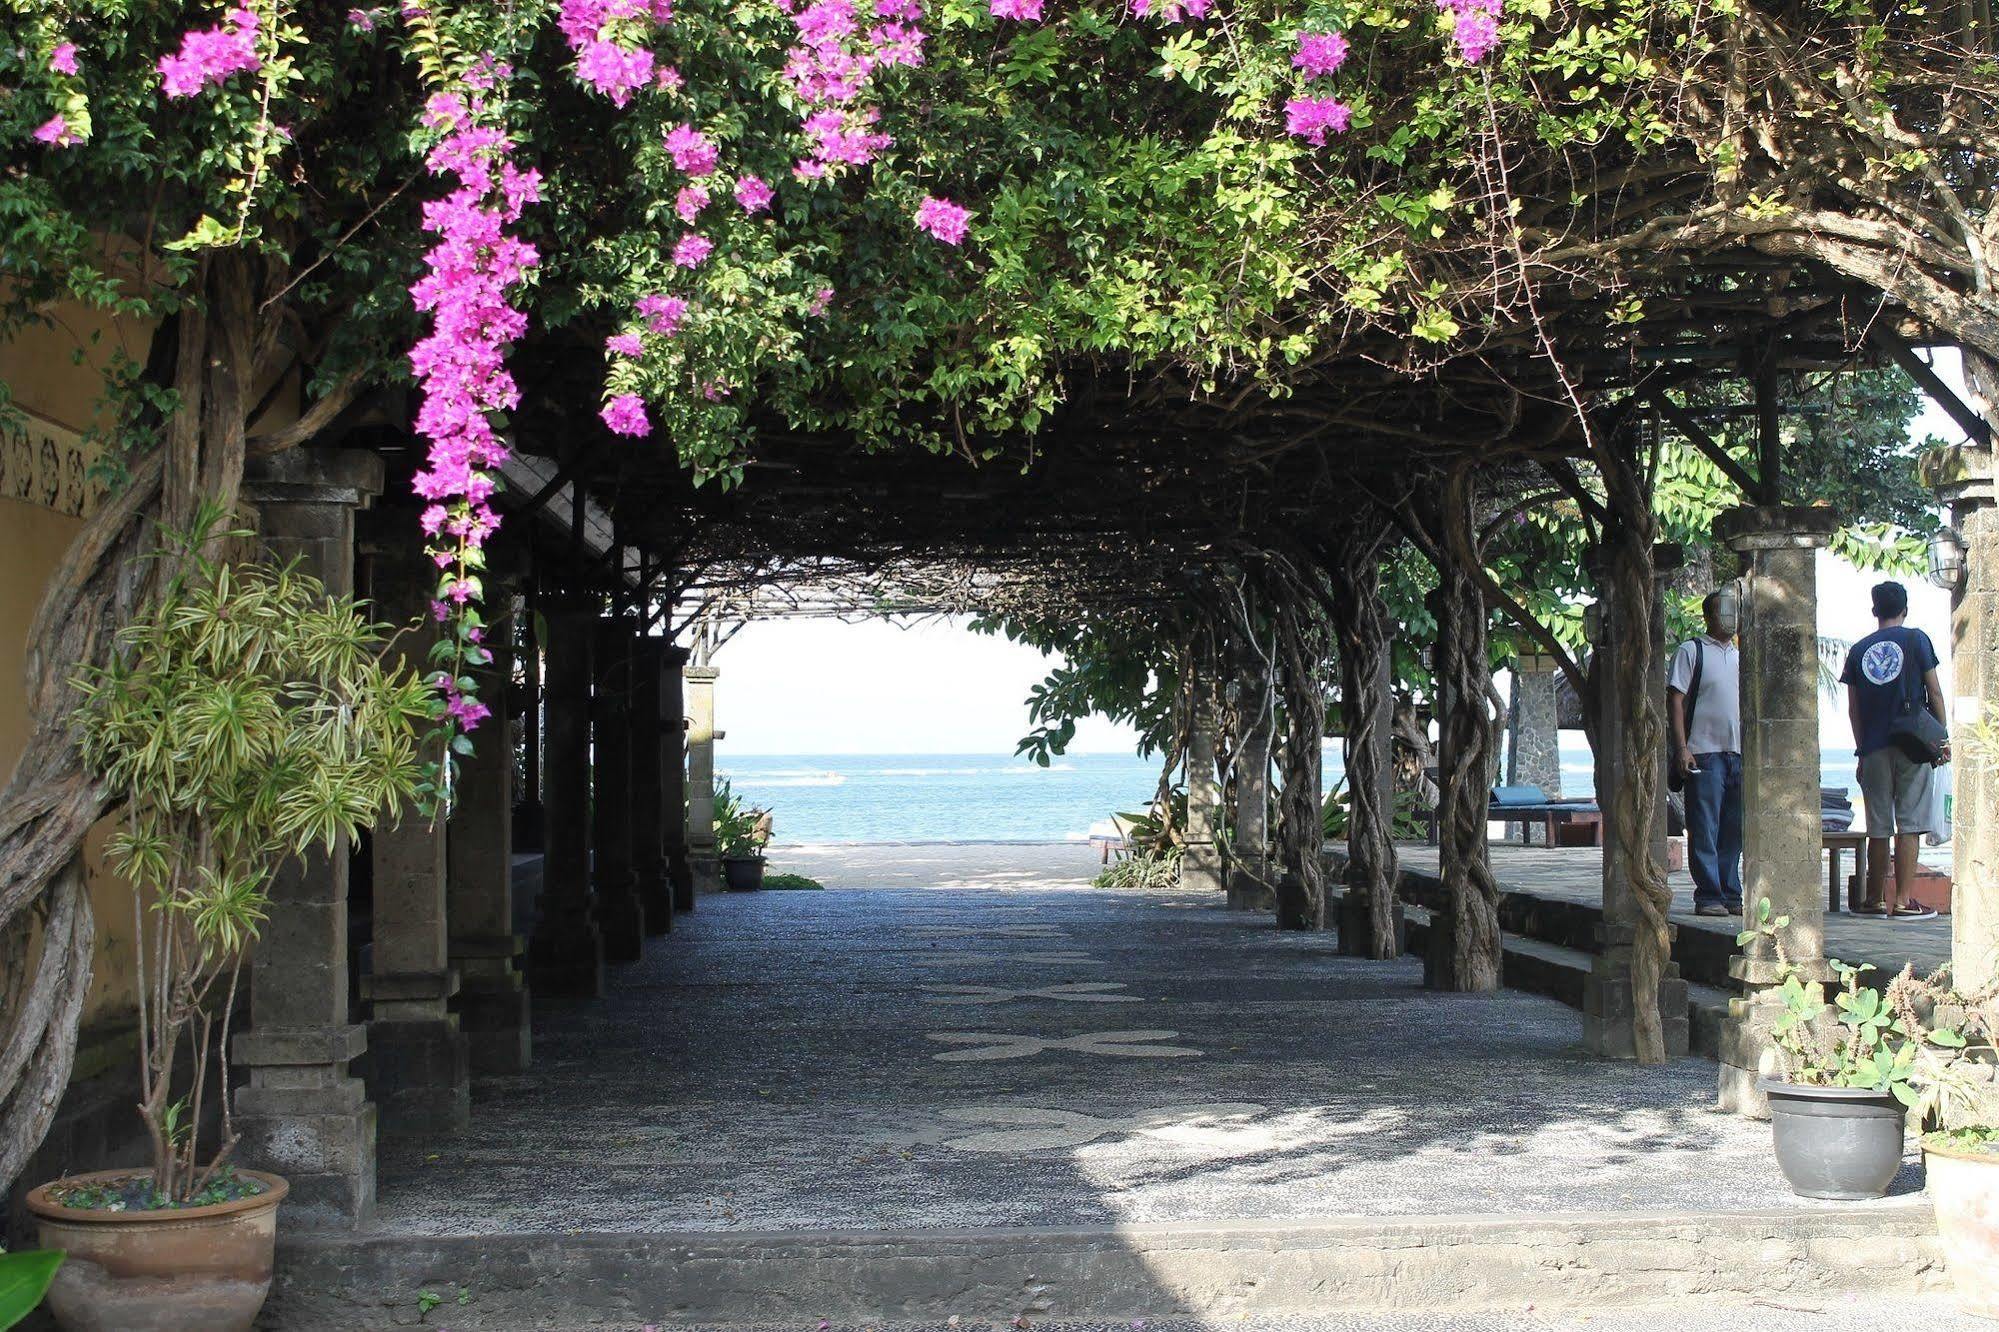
(782,1061)
(1575,873)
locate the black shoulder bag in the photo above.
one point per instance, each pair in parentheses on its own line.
(1676,776)
(1915,730)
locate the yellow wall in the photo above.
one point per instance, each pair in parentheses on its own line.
(56,376)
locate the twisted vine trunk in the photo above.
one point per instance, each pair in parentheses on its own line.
(1630,708)
(208,355)
(1361,626)
(1300,827)
(1466,954)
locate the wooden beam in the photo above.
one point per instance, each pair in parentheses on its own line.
(1975,427)
(1677,417)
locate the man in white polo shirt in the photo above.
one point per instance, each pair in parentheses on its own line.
(1704,702)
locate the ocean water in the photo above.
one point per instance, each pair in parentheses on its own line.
(820,798)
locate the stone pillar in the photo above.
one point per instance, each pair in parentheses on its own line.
(1974,685)
(649,866)
(302,1113)
(620,916)
(1781,850)
(1534,756)
(673,775)
(1607,994)
(702,856)
(527,820)
(419,1071)
(566,955)
(492,1002)
(1250,868)
(1201,860)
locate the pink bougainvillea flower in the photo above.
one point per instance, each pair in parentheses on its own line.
(822,300)
(753,194)
(1025,10)
(1474,26)
(1310,117)
(687,205)
(1320,53)
(626,415)
(692,250)
(662,313)
(667,79)
(56,131)
(211,55)
(361,20)
(942,219)
(63,59)
(691,150)
(613,70)
(625,344)
(1170,11)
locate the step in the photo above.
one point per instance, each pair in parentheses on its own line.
(1595,1261)
(1537,967)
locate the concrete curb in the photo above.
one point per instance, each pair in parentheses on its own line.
(1358,1264)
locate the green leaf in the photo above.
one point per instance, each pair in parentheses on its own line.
(24,1279)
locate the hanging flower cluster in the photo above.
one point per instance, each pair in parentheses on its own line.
(461,365)
(831,69)
(1170,11)
(1474,26)
(212,55)
(943,219)
(1319,55)
(608,37)
(70,125)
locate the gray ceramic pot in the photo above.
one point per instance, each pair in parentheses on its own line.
(1835,1142)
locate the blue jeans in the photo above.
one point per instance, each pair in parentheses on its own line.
(1714,829)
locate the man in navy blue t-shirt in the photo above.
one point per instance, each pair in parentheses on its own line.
(1882,670)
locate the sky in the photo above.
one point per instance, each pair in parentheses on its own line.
(935,687)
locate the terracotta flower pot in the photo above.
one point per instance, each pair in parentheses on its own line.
(196,1269)
(1964,1186)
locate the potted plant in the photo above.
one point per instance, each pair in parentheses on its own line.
(741,834)
(245,717)
(1957,1079)
(1837,1115)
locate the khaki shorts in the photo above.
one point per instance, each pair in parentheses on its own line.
(1896,790)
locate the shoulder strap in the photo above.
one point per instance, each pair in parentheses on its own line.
(1694,687)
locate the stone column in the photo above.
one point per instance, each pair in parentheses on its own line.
(492,1000)
(566,955)
(419,1071)
(1781,849)
(620,916)
(649,867)
(703,857)
(673,775)
(1201,860)
(1534,756)
(1607,992)
(1974,685)
(1249,869)
(302,1113)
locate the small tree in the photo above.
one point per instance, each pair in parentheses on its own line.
(245,717)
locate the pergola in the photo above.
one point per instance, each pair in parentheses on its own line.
(1247,519)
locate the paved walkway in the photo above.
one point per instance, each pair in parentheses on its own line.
(1019,1049)
(1576,874)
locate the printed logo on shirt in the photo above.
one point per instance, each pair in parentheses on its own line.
(1882,663)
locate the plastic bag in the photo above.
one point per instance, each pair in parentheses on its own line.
(1940,802)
